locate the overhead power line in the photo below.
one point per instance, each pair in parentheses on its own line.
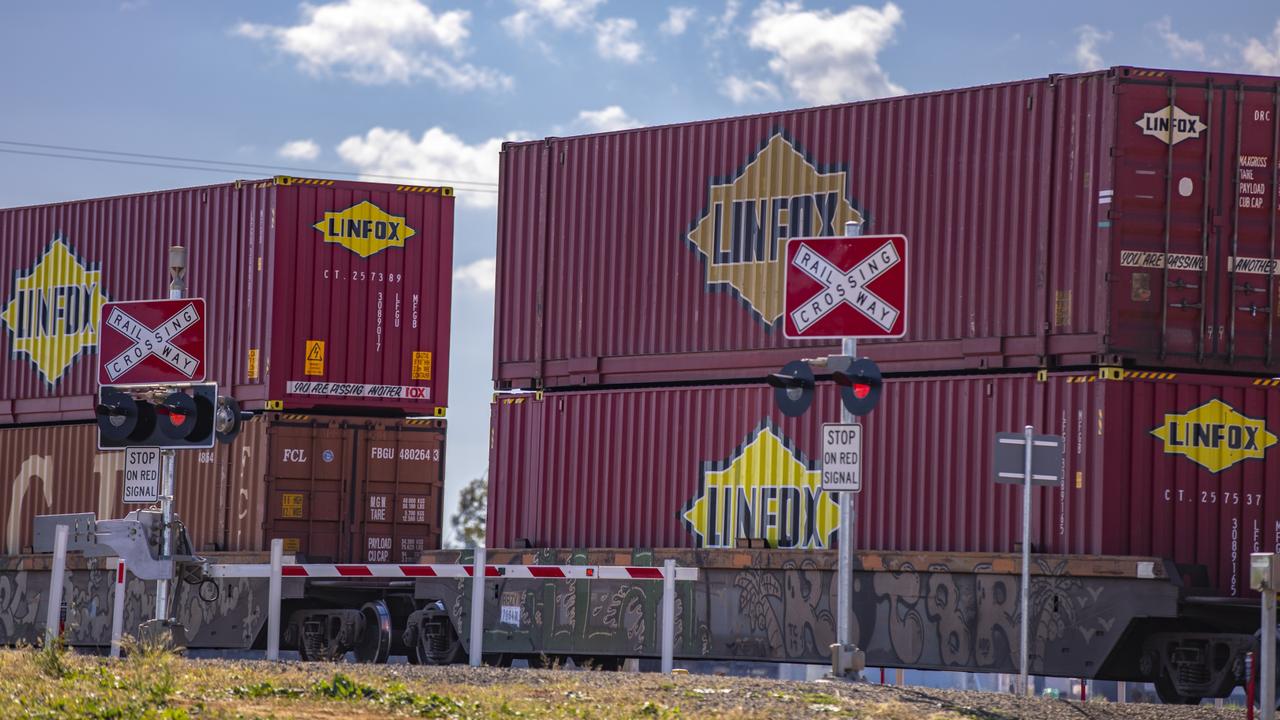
(119,159)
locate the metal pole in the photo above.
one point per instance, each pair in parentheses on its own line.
(845,535)
(1122,692)
(477,607)
(117,608)
(1029,434)
(668,615)
(1267,669)
(273,599)
(53,613)
(177,290)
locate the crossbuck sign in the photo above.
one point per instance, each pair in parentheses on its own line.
(846,287)
(152,342)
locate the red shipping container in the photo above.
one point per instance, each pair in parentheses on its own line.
(305,479)
(1157,464)
(1121,216)
(321,294)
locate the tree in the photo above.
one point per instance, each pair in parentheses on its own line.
(473,503)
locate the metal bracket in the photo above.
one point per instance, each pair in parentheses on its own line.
(135,539)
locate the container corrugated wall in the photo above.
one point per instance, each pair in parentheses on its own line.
(233,497)
(652,255)
(693,466)
(277,286)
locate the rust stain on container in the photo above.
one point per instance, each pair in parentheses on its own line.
(304,479)
(363,269)
(1180,472)
(1036,211)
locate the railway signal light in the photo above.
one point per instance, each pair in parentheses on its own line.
(860,383)
(793,388)
(176,417)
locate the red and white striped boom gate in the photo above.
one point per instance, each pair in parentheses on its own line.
(277,570)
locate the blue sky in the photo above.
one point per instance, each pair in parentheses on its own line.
(430,88)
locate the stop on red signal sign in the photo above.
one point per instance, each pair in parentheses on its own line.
(846,287)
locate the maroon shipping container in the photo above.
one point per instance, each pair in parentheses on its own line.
(306,479)
(321,293)
(1053,222)
(1158,464)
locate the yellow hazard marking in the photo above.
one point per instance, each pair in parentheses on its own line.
(421,366)
(1266,382)
(253,363)
(1079,479)
(291,505)
(292,545)
(440,411)
(314,358)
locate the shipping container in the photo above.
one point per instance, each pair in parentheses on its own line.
(1124,216)
(335,489)
(321,294)
(1158,464)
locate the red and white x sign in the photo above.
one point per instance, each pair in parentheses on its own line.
(846,287)
(152,342)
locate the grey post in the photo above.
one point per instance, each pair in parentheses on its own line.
(117,606)
(54,612)
(845,534)
(177,290)
(477,608)
(668,615)
(1267,668)
(273,599)
(1026,561)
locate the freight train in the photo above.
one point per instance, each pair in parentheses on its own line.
(1093,254)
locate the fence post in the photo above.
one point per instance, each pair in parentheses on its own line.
(273,600)
(53,615)
(477,607)
(668,615)
(117,607)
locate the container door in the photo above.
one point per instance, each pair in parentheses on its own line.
(308,489)
(400,475)
(1160,215)
(1248,290)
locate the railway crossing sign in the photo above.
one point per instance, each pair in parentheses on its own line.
(845,287)
(141,475)
(152,342)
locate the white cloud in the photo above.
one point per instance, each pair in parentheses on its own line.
(1261,58)
(479,275)
(721,26)
(741,90)
(1178,46)
(380,41)
(826,57)
(677,20)
(605,119)
(615,41)
(1087,39)
(438,157)
(299,150)
(561,14)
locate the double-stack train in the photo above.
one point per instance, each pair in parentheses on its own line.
(1092,254)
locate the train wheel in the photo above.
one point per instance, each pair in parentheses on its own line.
(438,642)
(1168,692)
(374,644)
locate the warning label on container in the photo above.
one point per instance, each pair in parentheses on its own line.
(314,358)
(1157,260)
(421,369)
(362,390)
(253,363)
(292,545)
(291,505)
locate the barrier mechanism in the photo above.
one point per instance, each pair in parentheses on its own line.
(277,570)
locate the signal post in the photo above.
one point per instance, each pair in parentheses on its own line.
(842,288)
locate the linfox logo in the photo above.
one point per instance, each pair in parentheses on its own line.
(364,229)
(1215,436)
(1172,130)
(764,490)
(52,313)
(778,194)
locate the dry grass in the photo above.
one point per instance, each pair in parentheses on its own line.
(154,683)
